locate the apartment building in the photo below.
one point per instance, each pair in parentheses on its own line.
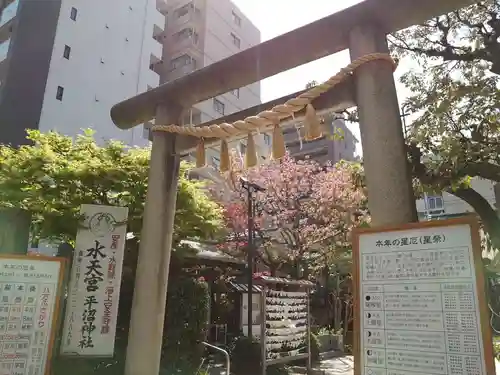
(434,206)
(64,63)
(324,149)
(199,33)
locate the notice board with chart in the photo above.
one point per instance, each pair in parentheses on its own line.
(30,291)
(420,305)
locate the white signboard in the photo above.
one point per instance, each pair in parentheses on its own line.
(419,304)
(29,291)
(94,289)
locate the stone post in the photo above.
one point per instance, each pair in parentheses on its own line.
(14,231)
(390,194)
(150,291)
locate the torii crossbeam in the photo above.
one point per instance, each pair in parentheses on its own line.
(362,29)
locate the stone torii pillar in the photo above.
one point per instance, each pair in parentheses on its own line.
(151,280)
(392,200)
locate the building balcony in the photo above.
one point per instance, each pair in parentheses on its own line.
(187,45)
(159,20)
(152,78)
(162,7)
(157,48)
(180,72)
(155,64)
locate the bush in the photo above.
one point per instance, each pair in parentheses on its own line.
(186,325)
(315,348)
(246,358)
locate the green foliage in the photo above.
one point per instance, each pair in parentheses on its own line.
(55,175)
(186,325)
(496,349)
(246,358)
(315,348)
(454,85)
(455,62)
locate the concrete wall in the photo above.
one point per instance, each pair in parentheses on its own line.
(25,69)
(214,23)
(111,49)
(218,45)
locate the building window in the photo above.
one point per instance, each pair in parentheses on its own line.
(185,34)
(192,118)
(435,203)
(236,19)
(182,11)
(67,52)
(74,13)
(236,92)
(219,106)
(267,139)
(181,61)
(60,93)
(236,40)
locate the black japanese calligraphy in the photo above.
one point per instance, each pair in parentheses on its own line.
(93,277)
(408,241)
(95,252)
(88,318)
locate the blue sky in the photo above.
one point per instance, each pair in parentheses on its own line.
(276,17)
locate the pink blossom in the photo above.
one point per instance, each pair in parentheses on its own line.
(305,209)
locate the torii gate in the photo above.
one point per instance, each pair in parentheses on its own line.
(361,28)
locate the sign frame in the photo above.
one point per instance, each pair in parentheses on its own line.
(473,224)
(59,297)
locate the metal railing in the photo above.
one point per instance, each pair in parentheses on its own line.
(226,354)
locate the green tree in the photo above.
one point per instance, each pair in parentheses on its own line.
(55,175)
(456,99)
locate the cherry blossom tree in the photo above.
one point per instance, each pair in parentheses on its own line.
(304,218)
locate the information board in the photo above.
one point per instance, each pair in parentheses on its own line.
(420,300)
(94,287)
(30,289)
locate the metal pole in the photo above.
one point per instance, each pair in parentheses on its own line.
(263,328)
(308,340)
(226,354)
(250,260)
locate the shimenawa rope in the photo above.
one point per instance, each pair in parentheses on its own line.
(271,117)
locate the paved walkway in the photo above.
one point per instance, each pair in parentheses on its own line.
(337,366)
(345,366)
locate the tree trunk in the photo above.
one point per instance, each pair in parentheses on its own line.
(486,212)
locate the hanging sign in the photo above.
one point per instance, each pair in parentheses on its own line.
(94,289)
(420,300)
(30,291)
